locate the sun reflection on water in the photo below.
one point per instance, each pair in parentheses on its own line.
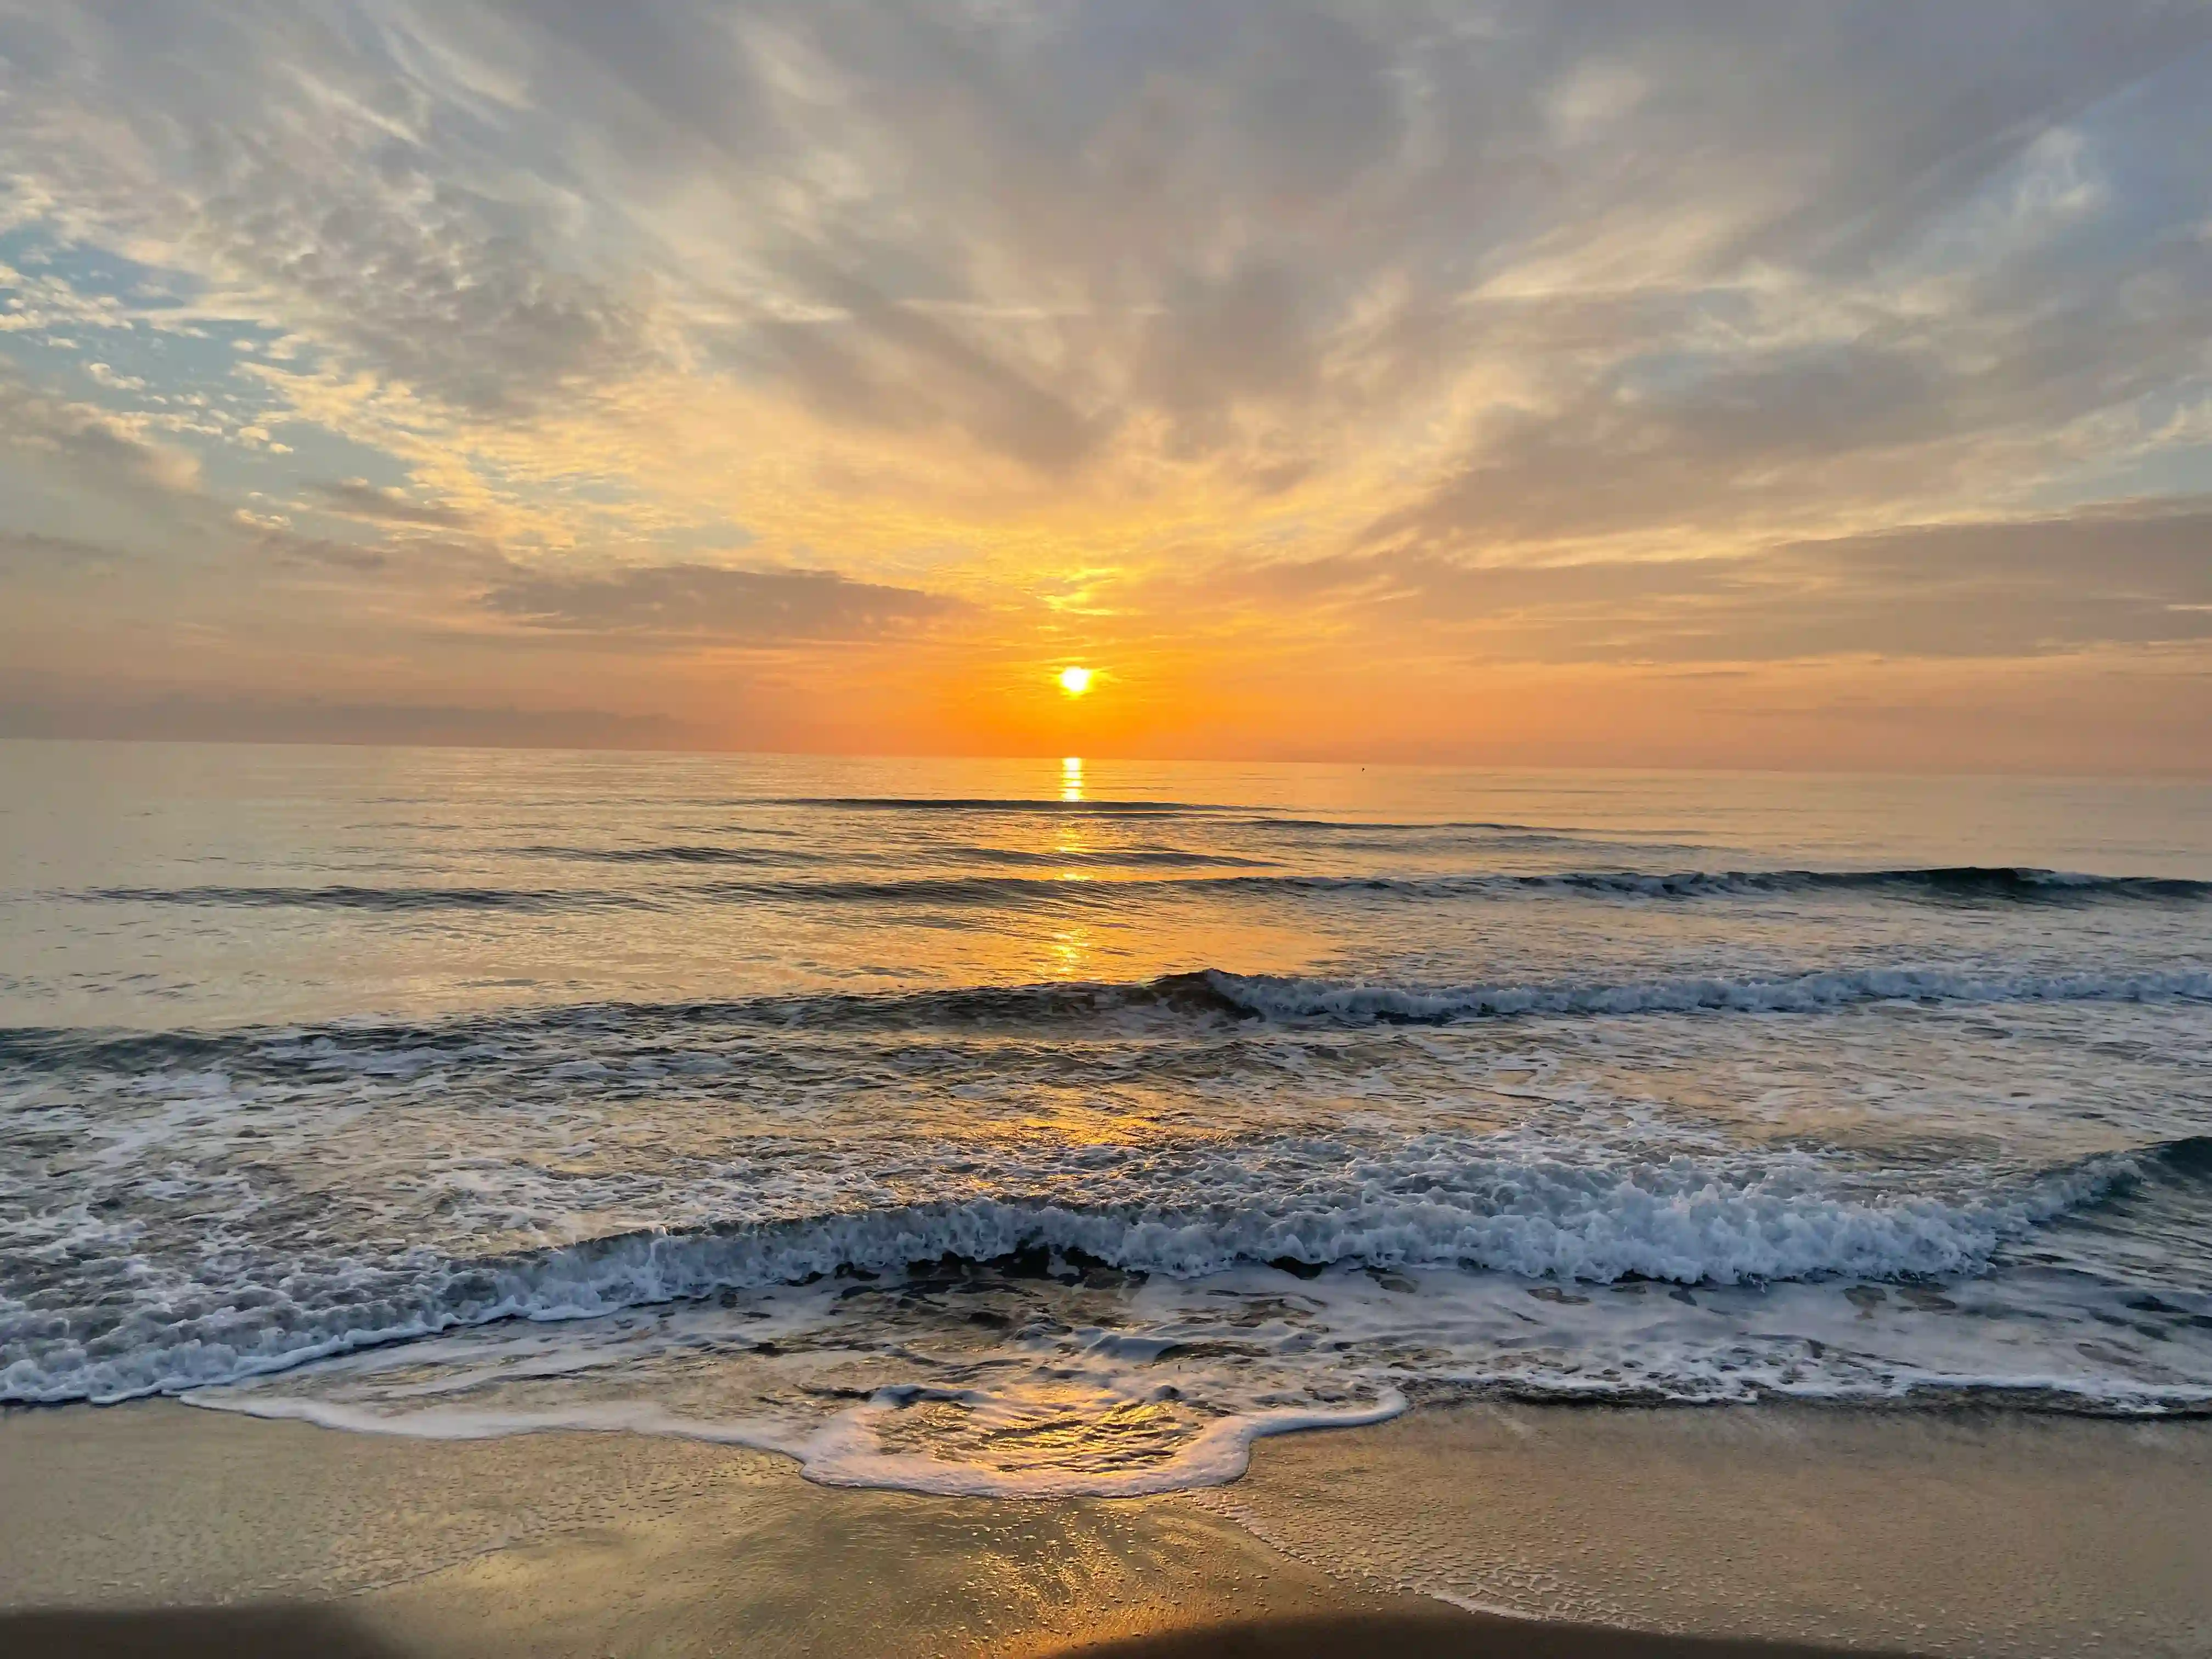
(1071,950)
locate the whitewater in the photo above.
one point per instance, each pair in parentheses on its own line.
(1045,1127)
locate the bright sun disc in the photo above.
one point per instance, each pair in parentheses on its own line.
(1075,681)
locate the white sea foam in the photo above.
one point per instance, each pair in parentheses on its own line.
(1427,1201)
(847,1449)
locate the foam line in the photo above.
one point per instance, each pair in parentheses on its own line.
(846,1451)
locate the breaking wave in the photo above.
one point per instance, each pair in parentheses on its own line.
(1424,1206)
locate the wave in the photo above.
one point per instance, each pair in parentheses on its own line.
(1298,1000)
(1113,858)
(769,857)
(1957,881)
(1206,996)
(998,804)
(1057,805)
(1677,1222)
(708,854)
(1962,883)
(534,901)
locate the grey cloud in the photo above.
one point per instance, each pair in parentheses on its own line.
(1441,588)
(27,551)
(1704,442)
(1716,439)
(2135,575)
(90,444)
(357,498)
(1221,345)
(664,83)
(29,711)
(433,568)
(2138,575)
(1132,169)
(2156,547)
(1286,218)
(879,364)
(702,601)
(285,547)
(1960,91)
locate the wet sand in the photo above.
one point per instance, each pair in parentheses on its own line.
(159,1528)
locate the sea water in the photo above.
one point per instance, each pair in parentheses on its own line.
(1060,1127)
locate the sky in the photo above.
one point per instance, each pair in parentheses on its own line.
(1761,384)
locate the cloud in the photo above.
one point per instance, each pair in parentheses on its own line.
(2135,575)
(1250,233)
(299,163)
(356,498)
(702,601)
(875,363)
(2139,574)
(28,550)
(98,448)
(285,547)
(201,717)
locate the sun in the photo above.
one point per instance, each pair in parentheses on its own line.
(1075,681)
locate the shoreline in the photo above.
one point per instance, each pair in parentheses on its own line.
(1740,1530)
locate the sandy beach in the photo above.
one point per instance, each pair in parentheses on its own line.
(159,1528)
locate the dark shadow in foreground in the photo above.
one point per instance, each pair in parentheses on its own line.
(245,1632)
(1440,1635)
(320,1633)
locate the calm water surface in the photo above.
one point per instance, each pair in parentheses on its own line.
(1049,1127)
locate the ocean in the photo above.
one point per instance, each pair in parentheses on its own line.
(1060,1127)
